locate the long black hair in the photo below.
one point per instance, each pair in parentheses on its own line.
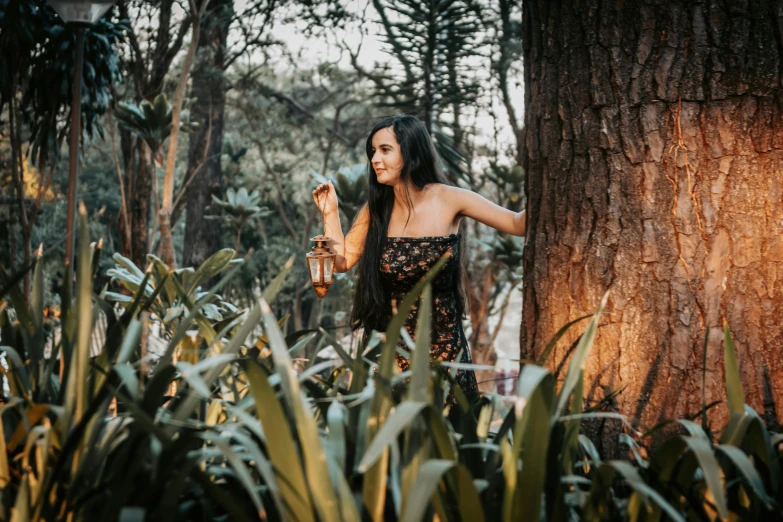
(371,302)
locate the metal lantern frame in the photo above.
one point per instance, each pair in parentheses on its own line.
(320,265)
(85,12)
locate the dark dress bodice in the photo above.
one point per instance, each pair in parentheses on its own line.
(404,261)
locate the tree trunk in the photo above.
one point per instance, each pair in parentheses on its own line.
(140,204)
(204,236)
(674,208)
(480,341)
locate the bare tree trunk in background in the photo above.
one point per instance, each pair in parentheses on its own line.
(167,200)
(17,176)
(206,142)
(147,69)
(481,348)
(677,212)
(139,199)
(129,168)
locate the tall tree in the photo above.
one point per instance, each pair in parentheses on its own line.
(506,27)
(429,75)
(206,143)
(146,65)
(167,197)
(654,146)
(250,23)
(36,79)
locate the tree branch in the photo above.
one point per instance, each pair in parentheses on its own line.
(167,242)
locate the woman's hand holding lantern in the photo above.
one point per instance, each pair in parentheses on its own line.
(325,197)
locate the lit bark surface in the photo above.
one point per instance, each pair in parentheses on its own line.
(677,212)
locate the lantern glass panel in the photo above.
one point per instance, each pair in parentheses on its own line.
(328,269)
(315,270)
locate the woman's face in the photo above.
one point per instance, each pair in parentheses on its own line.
(386,157)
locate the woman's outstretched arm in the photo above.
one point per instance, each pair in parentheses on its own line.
(348,247)
(481,209)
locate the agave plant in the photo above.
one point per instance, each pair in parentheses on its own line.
(162,458)
(239,208)
(249,436)
(169,294)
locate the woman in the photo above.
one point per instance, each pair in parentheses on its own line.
(411,218)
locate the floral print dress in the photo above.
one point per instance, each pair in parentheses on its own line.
(404,261)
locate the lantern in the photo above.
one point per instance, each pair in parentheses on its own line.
(81,11)
(80,14)
(320,265)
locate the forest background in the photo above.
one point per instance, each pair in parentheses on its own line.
(279,96)
(649,162)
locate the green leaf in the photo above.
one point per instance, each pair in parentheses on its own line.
(335,418)
(285,459)
(431,473)
(635,481)
(295,349)
(348,509)
(702,451)
(746,468)
(733,380)
(78,390)
(215,264)
(626,439)
(419,389)
(541,361)
(400,418)
(570,450)
(578,360)
(242,472)
(694,430)
(277,283)
(533,410)
(316,466)
(590,450)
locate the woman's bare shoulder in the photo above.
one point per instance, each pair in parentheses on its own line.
(439,190)
(448,194)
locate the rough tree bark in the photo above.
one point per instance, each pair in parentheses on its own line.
(654,155)
(140,183)
(206,142)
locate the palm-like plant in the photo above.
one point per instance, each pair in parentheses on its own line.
(149,121)
(238,209)
(168,293)
(507,250)
(247,438)
(510,183)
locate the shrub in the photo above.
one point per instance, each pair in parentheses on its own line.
(247,437)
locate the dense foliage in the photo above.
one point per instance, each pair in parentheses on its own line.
(233,422)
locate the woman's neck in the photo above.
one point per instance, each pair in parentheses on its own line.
(401,198)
